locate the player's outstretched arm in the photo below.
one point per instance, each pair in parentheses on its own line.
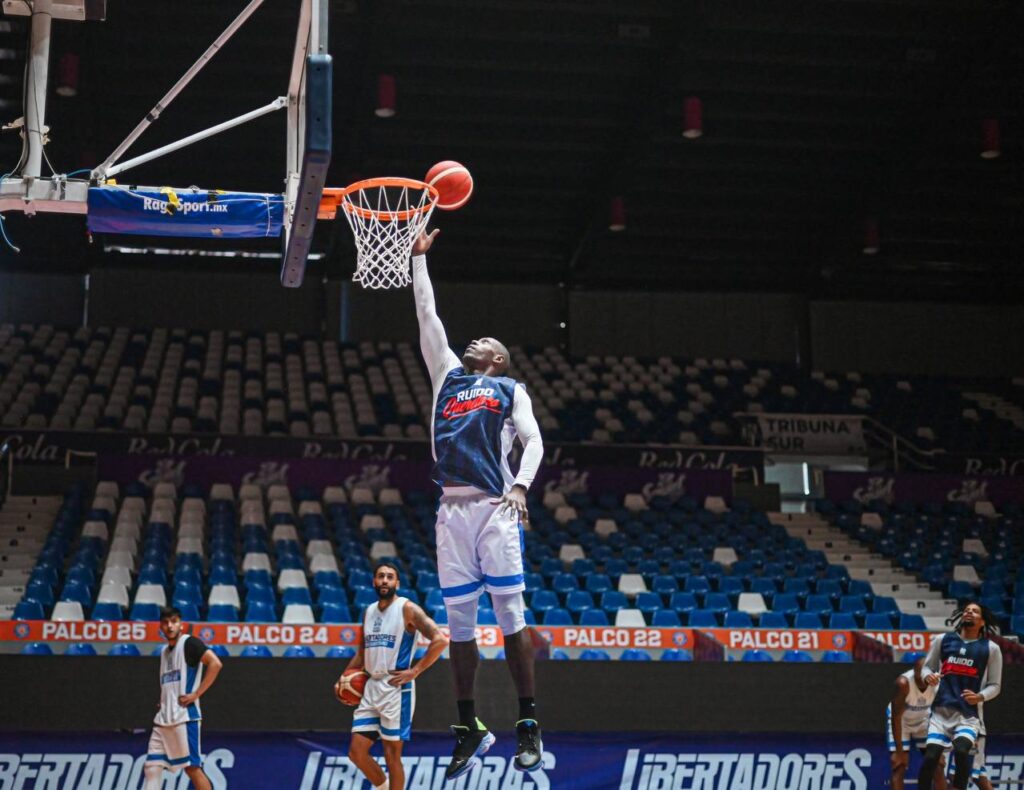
(433,339)
(212,667)
(417,619)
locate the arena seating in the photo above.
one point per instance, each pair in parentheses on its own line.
(301,557)
(230,382)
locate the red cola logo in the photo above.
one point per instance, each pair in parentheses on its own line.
(473,399)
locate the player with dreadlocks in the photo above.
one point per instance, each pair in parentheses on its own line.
(967,667)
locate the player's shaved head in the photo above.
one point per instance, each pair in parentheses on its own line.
(486,355)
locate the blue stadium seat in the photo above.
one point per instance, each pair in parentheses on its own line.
(220,651)
(80,649)
(734,619)
(772,620)
(786,603)
(648,602)
(613,600)
(260,612)
(488,617)
(29,609)
(559,655)
(878,621)
(594,655)
(806,620)
(148,612)
(363,596)
(912,622)
(122,650)
(853,604)
(592,617)
(697,584)
(578,601)
(683,602)
(256,651)
(797,656)
(542,600)
(677,654)
(341,651)
(702,618)
(731,585)
(758,656)
(664,585)
(842,621)
(222,613)
(296,595)
(299,651)
(335,595)
(633,654)
(36,649)
(664,618)
(563,583)
(557,616)
(836,657)
(335,613)
(911,656)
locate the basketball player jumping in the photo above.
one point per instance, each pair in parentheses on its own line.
(478,412)
(174,743)
(967,668)
(389,698)
(907,724)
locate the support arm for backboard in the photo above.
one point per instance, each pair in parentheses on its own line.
(103,169)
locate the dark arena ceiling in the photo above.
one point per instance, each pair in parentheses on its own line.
(819,117)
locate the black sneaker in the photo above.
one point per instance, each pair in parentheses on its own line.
(469,746)
(529,747)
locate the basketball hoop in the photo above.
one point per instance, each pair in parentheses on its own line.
(386,216)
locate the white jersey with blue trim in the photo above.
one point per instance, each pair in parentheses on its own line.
(387,644)
(918,703)
(177,678)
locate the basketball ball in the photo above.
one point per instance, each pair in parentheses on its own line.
(349,688)
(453,182)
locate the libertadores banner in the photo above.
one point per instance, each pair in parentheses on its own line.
(591,761)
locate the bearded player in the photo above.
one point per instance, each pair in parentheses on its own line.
(967,669)
(390,627)
(174,743)
(478,414)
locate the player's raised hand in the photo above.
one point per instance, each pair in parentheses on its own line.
(514,503)
(424,241)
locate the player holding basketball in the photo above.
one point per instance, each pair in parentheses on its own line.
(967,669)
(907,723)
(478,412)
(389,698)
(174,742)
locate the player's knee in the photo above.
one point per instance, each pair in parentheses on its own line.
(462,620)
(933,753)
(962,747)
(153,771)
(510,613)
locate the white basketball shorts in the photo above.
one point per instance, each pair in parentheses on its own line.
(386,710)
(175,746)
(478,547)
(948,724)
(916,734)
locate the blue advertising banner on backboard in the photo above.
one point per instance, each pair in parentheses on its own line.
(195,213)
(638,761)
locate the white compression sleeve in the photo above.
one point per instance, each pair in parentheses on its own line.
(993,673)
(462,620)
(529,434)
(510,612)
(433,339)
(154,777)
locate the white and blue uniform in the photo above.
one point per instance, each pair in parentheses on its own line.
(476,421)
(962,665)
(387,645)
(914,721)
(175,741)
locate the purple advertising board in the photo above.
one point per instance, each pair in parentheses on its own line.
(865,487)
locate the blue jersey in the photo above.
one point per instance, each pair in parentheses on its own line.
(473,431)
(963,666)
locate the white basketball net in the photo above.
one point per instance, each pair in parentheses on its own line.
(386,219)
